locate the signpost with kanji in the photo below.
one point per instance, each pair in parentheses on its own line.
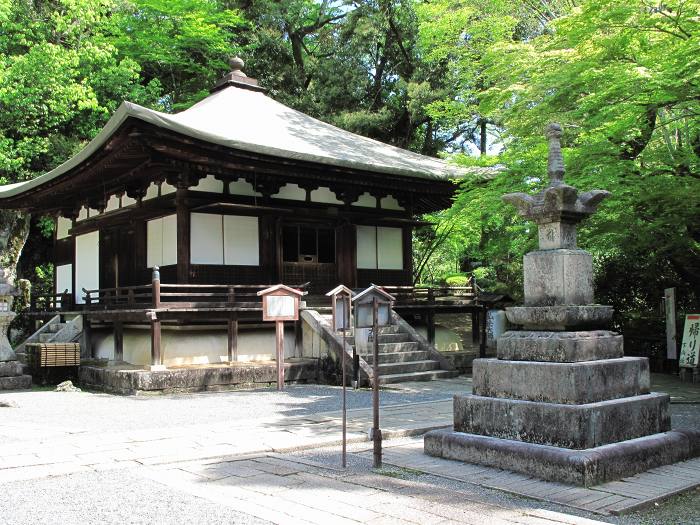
(690,348)
(280,304)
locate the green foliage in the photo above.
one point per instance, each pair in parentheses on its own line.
(623,79)
(457,280)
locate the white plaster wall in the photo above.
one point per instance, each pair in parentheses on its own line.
(151,192)
(82,214)
(112,203)
(64,278)
(390,203)
(366,200)
(324,195)
(87,263)
(241,187)
(366,247)
(206,239)
(62,227)
(127,201)
(241,240)
(166,188)
(390,248)
(291,192)
(161,241)
(183,346)
(210,184)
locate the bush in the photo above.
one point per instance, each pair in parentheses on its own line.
(457,280)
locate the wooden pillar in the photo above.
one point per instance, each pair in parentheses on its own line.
(87,338)
(475,326)
(430,316)
(156,358)
(279,340)
(183,237)
(408,254)
(233,338)
(118,341)
(482,341)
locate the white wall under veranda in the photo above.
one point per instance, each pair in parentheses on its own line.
(193,345)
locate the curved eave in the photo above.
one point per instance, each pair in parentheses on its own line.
(438,171)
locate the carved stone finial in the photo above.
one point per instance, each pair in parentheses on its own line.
(555,160)
(237,64)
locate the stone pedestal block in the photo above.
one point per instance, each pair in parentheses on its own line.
(560,317)
(567,383)
(559,347)
(553,235)
(553,277)
(569,426)
(10,368)
(15,382)
(581,467)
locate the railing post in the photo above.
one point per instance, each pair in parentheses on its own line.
(155,281)
(431,316)
(130,297)
(231,296)
(88,297)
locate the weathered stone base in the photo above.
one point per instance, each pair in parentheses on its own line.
(567,383)
(580,467)
(570,426)
(194,379)
(559,347)
(10,368)
(21,382)
(560,317)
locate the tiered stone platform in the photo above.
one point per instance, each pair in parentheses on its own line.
(560,401)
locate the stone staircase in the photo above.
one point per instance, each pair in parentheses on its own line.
(404,355)
(55,330)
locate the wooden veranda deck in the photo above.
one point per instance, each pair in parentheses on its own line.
(233,303)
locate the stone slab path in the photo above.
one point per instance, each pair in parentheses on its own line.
(292,491)
(617,497)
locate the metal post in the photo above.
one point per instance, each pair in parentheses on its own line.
(279,332)
(670,311)
(376,433)
(345,414)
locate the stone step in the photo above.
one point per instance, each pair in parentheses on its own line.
(417,376)
(55,327)
(393,329)
(398,357)
(394,338)
(408,367)
(407,346)
(46,338)
(15,383)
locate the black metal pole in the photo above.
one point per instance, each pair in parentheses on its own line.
(376,433)
(345,414)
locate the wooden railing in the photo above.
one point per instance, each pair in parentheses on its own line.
(51,302)
(433,294)
(180,296)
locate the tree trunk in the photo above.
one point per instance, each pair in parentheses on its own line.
(14,229)
(482,136)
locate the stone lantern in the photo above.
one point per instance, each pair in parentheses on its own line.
(560,401)
(11,375)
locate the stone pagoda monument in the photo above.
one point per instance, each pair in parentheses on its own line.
(560,401)
(11,375)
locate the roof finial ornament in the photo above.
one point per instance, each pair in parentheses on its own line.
(236,63)
(555,160)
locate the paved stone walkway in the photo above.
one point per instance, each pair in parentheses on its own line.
(289,491)
(617,497)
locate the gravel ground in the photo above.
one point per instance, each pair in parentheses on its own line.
(89,411)
(109,497)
